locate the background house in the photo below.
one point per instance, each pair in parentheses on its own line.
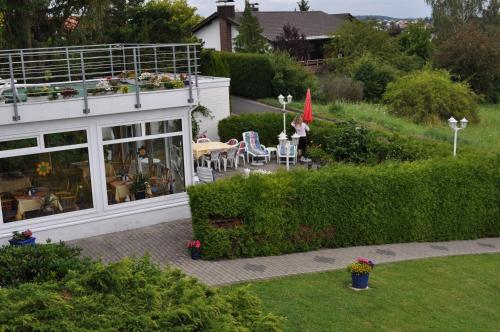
(219,29)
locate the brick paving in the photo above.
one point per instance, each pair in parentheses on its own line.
(166,245)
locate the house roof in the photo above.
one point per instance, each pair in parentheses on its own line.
(313,24)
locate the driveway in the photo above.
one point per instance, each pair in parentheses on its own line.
(241,106)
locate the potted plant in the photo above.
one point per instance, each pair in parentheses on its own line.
(22,238)
(194,248)
(69,92)
(139,186)
(360,272)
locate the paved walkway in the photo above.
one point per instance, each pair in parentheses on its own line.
(166,244)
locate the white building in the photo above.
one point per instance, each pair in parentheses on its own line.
(72,143)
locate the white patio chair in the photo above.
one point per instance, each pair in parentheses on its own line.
(240,154)
(205,174)
(281,154)
(203,140)
(253,147)
(213,159)
(232,141)
(230,158)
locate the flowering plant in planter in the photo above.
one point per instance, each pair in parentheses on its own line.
(360,272)
(146,76)
(22,238)
(194,248)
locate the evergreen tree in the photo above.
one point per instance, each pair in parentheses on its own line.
(303,5)
(249,39)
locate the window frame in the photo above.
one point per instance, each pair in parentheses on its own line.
(101,157)
(40,149)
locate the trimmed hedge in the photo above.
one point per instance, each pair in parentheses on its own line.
(342,206)
(251,74)
(345,141)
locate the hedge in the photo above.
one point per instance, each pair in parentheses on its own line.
(251,74)
(346,141)
(131,295)
(342,206)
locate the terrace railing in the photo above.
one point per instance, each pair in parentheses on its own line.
(80,71)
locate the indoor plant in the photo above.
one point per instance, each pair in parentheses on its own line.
(22,238)
(139,186)
(360,272)
(194,248)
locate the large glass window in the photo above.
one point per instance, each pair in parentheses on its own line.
(145,167)
(45,183)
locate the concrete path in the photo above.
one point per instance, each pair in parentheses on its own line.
(166,245)
(241,106)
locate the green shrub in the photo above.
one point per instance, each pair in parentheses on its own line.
(131,295)
(374,77)
(43,262)
(213,64)
(342,206)
(429,96)
(336,88)
(290,77)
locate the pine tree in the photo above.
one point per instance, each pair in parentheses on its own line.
(249,39)
(303,5)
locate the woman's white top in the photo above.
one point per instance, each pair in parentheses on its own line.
(301,129)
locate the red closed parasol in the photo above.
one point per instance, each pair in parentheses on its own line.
(308,114)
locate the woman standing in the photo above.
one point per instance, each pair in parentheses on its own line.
(301,128)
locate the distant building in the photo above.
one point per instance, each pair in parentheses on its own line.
(219,29)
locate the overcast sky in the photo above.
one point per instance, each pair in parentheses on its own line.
(394,8)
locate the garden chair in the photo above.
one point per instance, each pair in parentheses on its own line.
(214,159)
(232,141)
(281,154)
(230,157)
(8,210)
(240,154)
(253,146)
(205,174)
(203,140)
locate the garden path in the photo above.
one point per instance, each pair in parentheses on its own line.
(166,245)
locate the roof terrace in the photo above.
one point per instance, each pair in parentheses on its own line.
(82,79)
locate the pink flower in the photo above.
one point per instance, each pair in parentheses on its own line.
(197,244)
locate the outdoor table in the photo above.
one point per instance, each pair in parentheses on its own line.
(27,203)
(201,149)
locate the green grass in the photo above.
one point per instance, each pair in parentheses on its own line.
(440,294)
(483,135)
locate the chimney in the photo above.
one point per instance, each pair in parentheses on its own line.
(254,6)
(225,11)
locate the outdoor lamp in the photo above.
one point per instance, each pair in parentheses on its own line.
(295,139)
(452,122)
(453,125)
(281,99)
(289,98)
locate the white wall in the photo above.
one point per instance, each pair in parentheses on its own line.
(210,34)
(216,98)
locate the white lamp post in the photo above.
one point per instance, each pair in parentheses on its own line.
(453,125)
(284,102)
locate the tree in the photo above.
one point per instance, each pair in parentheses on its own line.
(450,15)
(250,39)
(293,42)
(473,55)
(303,5)
(416,40)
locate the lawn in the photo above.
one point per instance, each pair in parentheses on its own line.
(459,293)
(485,134)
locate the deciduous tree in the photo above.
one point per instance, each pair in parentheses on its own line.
(293,42)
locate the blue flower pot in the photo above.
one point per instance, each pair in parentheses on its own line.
(27,242)
(195,254)
(360,281)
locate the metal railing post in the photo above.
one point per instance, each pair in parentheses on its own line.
(86,109)
(196,65)
(156,60)
(137,92)
(16,116)
(111,60)
(174,61)
(124,59)
(190,100)
(22,66)
(68,64)
(139,59)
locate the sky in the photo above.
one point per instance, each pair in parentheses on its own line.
(394,8)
